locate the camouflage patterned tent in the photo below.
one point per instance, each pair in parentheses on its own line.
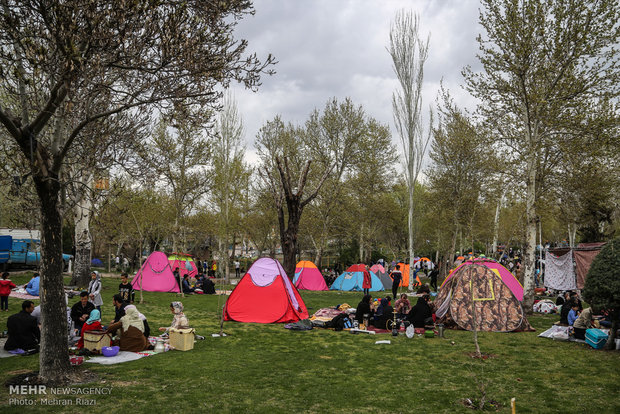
(494,294)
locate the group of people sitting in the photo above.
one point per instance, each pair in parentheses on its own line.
(573,314)
(131,326)
(420,315)
(199,284)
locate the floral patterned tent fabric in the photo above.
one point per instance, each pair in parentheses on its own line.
(496,307)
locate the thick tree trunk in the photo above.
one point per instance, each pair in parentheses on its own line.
(529,256)
(54,364)
(289,244)
(83,244)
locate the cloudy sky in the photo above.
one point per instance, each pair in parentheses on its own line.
(337,48)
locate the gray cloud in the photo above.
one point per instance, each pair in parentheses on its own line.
(328,48)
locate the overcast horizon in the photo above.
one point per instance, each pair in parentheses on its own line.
(338,48)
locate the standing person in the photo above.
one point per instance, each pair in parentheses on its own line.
(125,289)
(433,275)
(117,261)
(237,269)
(5,290)
(23,330)
(367,282)
(213,268)
(397,277)
(94,291)
(177,277)
(204,267)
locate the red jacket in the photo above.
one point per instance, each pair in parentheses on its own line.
(5,287)
(367,283)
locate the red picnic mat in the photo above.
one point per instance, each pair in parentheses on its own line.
(24,296)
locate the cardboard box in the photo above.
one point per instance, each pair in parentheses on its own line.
(182,339)
(95,340)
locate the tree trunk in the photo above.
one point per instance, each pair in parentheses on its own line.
(54,351)
(361,252)
(496,226)
(410,221)
(289,245)
(529,257)
(83,244)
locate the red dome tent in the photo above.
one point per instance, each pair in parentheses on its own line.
(265,295)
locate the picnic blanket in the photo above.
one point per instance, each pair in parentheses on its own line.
(223,292)
(560,333)
(325,314)
(4,353)
(22,294)
(122,356)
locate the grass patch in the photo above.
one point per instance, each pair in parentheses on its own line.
(266,368)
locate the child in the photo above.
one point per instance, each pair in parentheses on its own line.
(573,314)
(126,290)
(5,290)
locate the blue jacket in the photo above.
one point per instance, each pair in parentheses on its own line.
(33,287)
(572,316)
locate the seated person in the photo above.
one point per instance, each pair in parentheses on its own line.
(186,287)
(119,307)
(402,306)
(605,319)
(575,298)
(33,286)
(424,289)
(421,314)
(208,287)
(562,299)
(132,337)
(37,314)
(364,308)
(573,314)
(23,330)
(81,310)
(179,321)
(147,328)
(583,322)
(383,314)
(93,323)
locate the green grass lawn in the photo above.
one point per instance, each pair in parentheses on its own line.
(266,368)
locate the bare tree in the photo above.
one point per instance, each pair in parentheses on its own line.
(54,56)
(409,52)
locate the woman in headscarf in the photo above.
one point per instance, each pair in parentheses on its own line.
(364,308)
(384,313)
(94,291)
(421,314)
(132,337)
(179,321)
(93,323)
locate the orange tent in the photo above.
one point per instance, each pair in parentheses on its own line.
(404,268)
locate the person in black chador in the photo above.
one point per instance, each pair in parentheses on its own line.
(397,276)
(421,314)
(23,330)
(433,275)
(384,313)
(364,308)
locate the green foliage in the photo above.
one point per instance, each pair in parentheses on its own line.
(602,289)
(262,368)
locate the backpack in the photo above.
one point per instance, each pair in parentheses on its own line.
(340,322)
